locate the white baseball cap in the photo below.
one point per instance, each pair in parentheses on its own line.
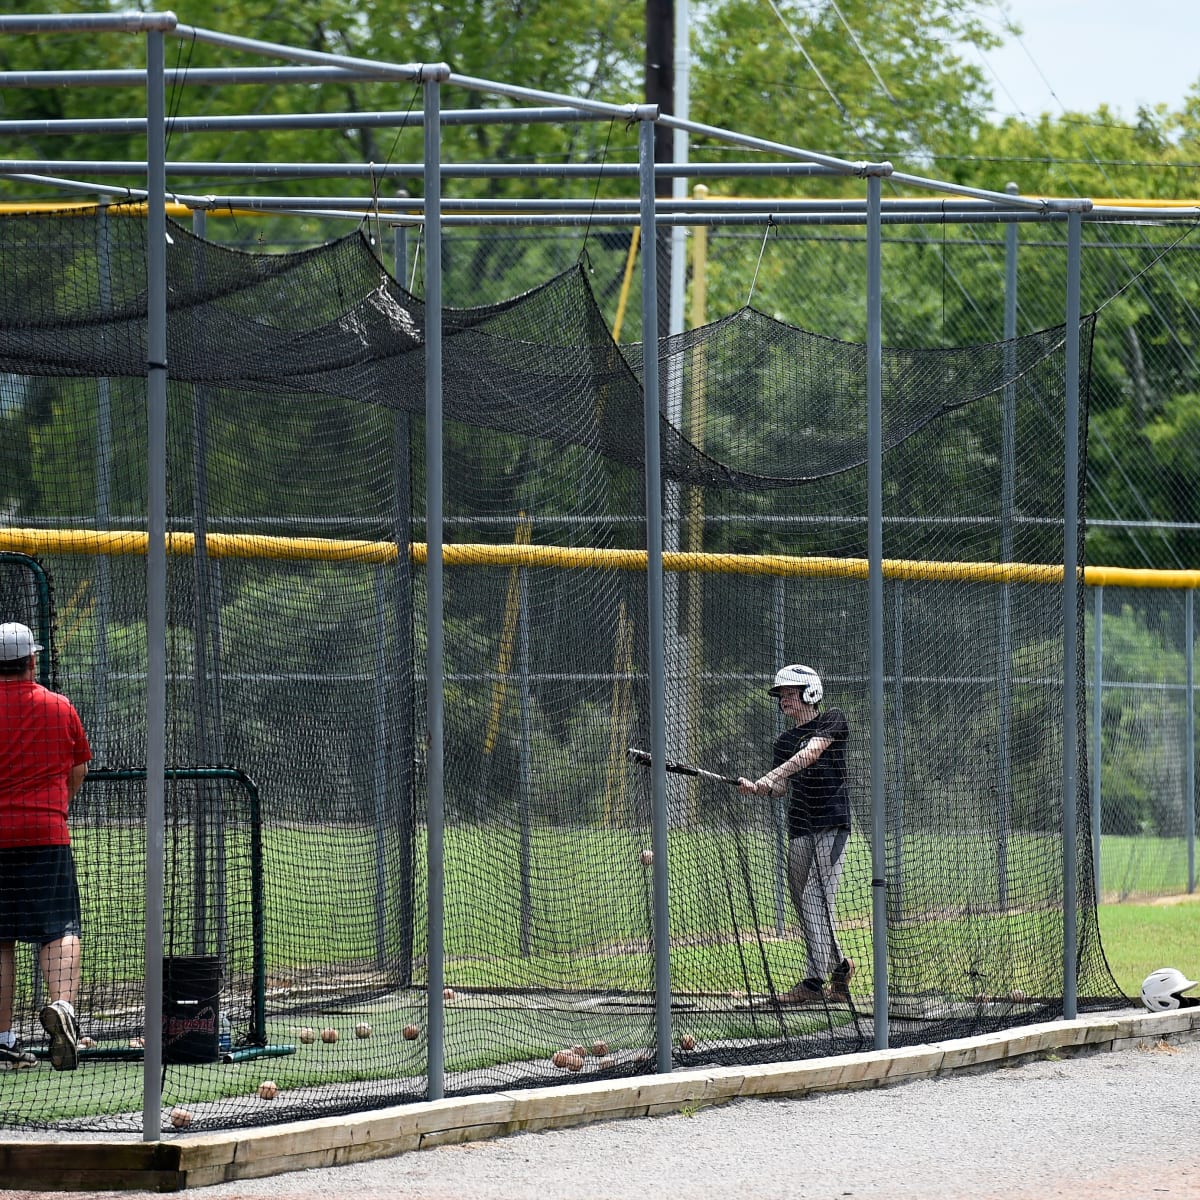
(16,641)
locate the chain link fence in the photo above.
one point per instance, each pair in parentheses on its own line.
(946,285)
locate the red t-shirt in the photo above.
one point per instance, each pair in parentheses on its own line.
(41,740)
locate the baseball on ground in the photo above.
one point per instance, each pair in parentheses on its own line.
(448,994)
(599,1049)
(307,1036)
(268,1089)
(410,1032)
(180,1118)
(362,1029)
(329,1035)
(687,1042)
(647,857)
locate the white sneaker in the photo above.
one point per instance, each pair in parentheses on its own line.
(13,1058)
(58,1020)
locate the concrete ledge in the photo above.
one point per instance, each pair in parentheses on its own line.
(198,1160)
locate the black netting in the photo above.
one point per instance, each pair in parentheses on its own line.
(296,657)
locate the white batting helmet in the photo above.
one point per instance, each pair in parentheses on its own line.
(1161,989)
(16,641)
(798,675)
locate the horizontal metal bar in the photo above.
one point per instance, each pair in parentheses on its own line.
(567,213)
(610,205)
(792,520)
(609,677)
(626,112)
(180,76)
(754,219)
(839,165)
(126,22)
(412,72)
(69,185)
(342,120)
(511,170)
(1143,216)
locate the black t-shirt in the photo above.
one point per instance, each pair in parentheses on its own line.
(820,798)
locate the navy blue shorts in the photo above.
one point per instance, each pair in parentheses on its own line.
(39,896)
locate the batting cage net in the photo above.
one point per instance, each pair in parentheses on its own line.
(296,911)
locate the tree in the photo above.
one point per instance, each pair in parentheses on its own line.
(843,79)
(1144,282)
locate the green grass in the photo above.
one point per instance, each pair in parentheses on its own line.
(476,1036)
(1142,866)
(590,900)
(1139,938)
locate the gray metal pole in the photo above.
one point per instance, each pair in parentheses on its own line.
(435,651)
(1070,616)
(379,776)
(875,603)
(404,720)
(896,883)
(1097,728)
(526,763)
(208,792)
(1008,467)
(779,804)
(1189,794)
(156,579)
(654,601)
(100,732)
(400,254)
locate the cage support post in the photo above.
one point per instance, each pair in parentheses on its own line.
(98,735)
(1189,737)
(1008,467)
(1097,724)
(526,766)
(896,883)
(435,651)
(379,772)
(156,577)
(206,620)
(1070,615)
(404,718)
(654,600)
(779,804)
(875,603)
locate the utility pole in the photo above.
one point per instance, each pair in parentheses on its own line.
(660,90)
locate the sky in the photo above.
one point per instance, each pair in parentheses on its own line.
(1088,52)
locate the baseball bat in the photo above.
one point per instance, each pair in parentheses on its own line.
(677,768)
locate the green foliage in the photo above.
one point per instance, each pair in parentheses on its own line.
(796,73)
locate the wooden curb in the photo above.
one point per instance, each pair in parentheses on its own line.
(198,1160)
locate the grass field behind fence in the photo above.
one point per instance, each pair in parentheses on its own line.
(1138,938)
(570,872)
(589,898)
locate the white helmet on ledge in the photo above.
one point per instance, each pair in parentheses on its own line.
(1161,989)
(799,676)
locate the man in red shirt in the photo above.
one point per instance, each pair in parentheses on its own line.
(44,754)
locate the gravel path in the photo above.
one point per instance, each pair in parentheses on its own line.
(1106,1126)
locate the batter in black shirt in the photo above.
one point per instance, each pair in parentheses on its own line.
(810,764)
